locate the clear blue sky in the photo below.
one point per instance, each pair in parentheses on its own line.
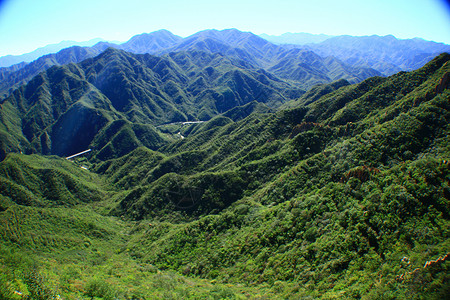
(28,24)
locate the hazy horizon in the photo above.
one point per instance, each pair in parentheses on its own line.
(99,39)
(27,25)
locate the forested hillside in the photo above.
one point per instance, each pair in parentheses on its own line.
(304,58)
(67,109)
(341,192)
(305,68)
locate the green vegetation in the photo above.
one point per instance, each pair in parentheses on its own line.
(113,101)
(344,195)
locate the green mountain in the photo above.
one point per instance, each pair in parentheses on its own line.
(304,67)
(343,194)
(305,70)
(311,69)
(15,76)
(342,57)
(70,108)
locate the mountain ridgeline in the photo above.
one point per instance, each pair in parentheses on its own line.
(83,97)
(306,68)
(385,54)
(325,60)
(341,191)
(64,109)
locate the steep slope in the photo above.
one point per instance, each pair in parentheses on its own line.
(63,109)
(306,194)
(344,196)
(12,78)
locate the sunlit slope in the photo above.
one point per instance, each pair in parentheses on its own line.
(343,188)
(57,239)
(345,195)
(32,180)
(389,122)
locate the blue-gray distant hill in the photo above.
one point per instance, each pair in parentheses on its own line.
(9,60)
(385,54)
(151,43)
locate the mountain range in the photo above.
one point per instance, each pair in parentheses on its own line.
(340,193)
(386,54)
(138,88)
(223,166)
(351,58)
(9,60)
(240,45)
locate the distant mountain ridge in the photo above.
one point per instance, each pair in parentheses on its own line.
(151,43)
(386,54)
(245,46)
(162,40)
(343,57)
(301,38)
(9,60)
(65,108)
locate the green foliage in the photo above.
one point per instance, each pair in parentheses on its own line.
(121,137)
(346,197)
(37,286)
(331,201)
(39,181)
(110,102)
(315,93)
(100,289)
(6,290)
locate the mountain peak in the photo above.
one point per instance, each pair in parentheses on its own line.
(232,38)
(151,42)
